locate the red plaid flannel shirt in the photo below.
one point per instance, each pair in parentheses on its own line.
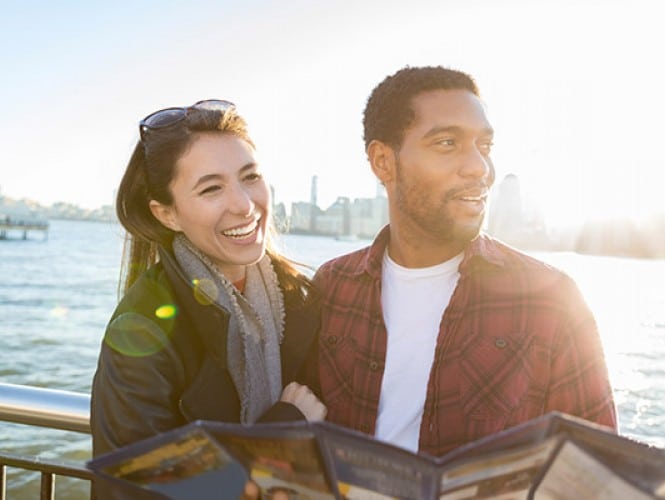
(516,341)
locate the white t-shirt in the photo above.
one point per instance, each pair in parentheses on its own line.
(413,302)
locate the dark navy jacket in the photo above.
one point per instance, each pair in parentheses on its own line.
(163,361)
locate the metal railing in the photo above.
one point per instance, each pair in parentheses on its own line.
(51,408)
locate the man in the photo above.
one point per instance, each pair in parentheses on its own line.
(437,335)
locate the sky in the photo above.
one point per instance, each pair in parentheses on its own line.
(573,88)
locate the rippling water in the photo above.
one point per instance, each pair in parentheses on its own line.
(57,294)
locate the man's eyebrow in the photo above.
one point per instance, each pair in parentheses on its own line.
(247,166)
(209,177)
(454,129)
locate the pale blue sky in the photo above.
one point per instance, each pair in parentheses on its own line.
(573,88)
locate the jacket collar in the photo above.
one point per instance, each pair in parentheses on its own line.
(211,321)
(479,251)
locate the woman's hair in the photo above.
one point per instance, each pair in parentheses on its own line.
(148,176)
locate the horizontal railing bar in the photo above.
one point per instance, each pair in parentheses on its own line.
(68,469)
(52,408)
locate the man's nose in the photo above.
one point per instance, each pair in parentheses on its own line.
(477,165)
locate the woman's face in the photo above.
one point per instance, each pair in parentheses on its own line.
(220,202)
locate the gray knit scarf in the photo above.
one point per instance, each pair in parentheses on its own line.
(256,325)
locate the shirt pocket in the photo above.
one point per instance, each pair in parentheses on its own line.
(337,361)
(495,374)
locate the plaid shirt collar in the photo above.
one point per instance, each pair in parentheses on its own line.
(479,251)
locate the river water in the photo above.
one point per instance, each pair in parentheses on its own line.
(56,295)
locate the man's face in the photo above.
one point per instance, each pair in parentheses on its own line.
(443,168)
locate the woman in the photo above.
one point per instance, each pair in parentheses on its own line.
(212,323)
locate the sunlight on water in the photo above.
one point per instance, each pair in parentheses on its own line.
(59,312)
(627,297)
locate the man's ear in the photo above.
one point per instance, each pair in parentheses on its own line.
(165,214)
(382,160)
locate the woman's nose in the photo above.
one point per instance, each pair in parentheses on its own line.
(240,200)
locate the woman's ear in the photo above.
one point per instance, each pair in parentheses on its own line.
(165,214)
(382,160)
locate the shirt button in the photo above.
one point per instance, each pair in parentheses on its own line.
(500,343)
(332,339)
(374,366)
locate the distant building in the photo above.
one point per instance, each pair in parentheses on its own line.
(302,213)
(362,217)
(314,204)
(368,216)
(511,220)
(335,220)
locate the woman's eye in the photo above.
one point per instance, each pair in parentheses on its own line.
(210,189)
(486,147)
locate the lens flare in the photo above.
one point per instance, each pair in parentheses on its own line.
(135,335)
(166,311)
(205,291)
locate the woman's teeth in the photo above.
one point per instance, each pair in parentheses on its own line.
(241,232)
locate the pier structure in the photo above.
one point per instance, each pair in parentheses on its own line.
(9,226)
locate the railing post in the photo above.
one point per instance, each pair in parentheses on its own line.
(3,481)
(47,490)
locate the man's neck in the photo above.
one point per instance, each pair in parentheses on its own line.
(412,250)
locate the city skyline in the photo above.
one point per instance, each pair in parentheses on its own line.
(510,218)
(521,204)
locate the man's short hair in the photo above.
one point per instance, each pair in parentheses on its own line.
(389,112)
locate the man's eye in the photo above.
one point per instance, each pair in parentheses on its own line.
(446,142)
(486,147)
(252,177)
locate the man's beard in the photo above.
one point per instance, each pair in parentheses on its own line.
(430,212)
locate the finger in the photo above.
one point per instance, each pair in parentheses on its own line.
(251,491)
(288,392)
(322,411)
(292,385)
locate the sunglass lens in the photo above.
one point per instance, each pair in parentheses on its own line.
(214,105)
(164,118)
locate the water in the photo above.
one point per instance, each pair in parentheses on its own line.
(56,296)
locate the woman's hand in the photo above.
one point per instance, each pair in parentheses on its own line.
(304,399)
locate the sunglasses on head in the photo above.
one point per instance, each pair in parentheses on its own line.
(170,116)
